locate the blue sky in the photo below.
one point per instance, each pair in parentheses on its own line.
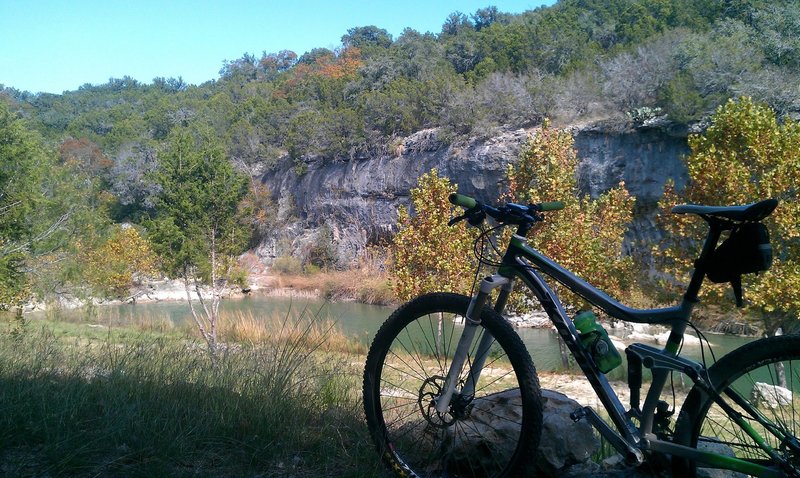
(57,45)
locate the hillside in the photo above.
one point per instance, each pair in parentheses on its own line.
(334,139)
(577,60)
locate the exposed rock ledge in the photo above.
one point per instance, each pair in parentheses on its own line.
(357,201)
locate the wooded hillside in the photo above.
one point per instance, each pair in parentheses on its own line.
(579,61)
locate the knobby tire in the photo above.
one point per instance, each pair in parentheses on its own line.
(493,434)
(703,424)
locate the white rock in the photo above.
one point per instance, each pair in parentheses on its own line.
(771,396)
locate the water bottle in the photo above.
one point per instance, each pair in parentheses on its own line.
(594,339)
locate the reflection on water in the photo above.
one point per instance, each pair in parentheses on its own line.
(356,320)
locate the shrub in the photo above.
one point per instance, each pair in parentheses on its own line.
(287,265)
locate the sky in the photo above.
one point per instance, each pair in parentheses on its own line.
(54,46)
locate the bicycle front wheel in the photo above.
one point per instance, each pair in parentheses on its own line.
(493,432)
(761,383)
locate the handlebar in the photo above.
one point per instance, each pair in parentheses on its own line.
(464,201)
(509,213)
(551,206)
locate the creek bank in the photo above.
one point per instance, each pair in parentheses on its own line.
(173,290)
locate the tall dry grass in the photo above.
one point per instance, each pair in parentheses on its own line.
(362,285)
(305,329)
(78,401)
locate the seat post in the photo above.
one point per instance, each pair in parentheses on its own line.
(715,230)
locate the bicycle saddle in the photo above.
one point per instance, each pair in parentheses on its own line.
(749,212)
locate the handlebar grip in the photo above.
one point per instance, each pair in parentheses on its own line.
(463,201)
(552,206)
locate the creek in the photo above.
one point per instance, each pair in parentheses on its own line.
(356,320)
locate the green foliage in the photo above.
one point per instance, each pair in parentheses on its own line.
(574,59)
(746,155)
(198,226)
(428,254)
(119,263)
(45,207)
(366,37)
(586,236)
(287,265)
(22,163)
(49,207)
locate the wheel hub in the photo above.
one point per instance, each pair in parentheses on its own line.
(429,393)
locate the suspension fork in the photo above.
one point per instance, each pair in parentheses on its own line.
(471,323)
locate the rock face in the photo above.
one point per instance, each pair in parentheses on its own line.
(644,159)
(357,201)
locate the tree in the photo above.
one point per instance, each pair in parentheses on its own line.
(132,181)
(365,37)
(120,263)
(744,156)
(586,236)
(274,63)
(198,229)
(455,23)
(22,158)
(428,254)
(23,224)
(484,17)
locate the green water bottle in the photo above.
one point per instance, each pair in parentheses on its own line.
(594,339)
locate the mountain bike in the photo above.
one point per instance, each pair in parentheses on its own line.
(451,391)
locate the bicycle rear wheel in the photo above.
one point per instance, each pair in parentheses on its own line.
(761,382)
(494,433)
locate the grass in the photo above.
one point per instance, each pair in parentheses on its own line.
(283,400)
(362,285)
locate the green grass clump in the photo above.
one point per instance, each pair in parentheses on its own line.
(121,404)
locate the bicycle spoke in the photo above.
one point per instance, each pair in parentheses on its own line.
(475,435)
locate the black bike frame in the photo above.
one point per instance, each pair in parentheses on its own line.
(528,264)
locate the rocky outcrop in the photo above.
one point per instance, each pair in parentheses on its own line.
(565,443)
(357,201)
(644,158)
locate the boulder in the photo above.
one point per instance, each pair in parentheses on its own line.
(771,396)
(564,443)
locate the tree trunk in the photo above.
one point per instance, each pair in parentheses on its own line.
(439,333)
(562,347)
(780,370)
(202,320)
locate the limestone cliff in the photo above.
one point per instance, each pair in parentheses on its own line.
(357,201)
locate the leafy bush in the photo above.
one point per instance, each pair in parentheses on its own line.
(428,254)
(746,155)
(287,265)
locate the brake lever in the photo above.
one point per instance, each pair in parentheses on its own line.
(456,220)
(475,216)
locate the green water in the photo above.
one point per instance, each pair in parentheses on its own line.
(356,320)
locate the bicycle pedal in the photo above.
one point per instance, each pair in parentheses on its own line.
(578,415)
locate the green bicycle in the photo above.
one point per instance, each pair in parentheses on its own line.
(451,391)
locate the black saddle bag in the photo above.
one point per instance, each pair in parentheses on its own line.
(746,251)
